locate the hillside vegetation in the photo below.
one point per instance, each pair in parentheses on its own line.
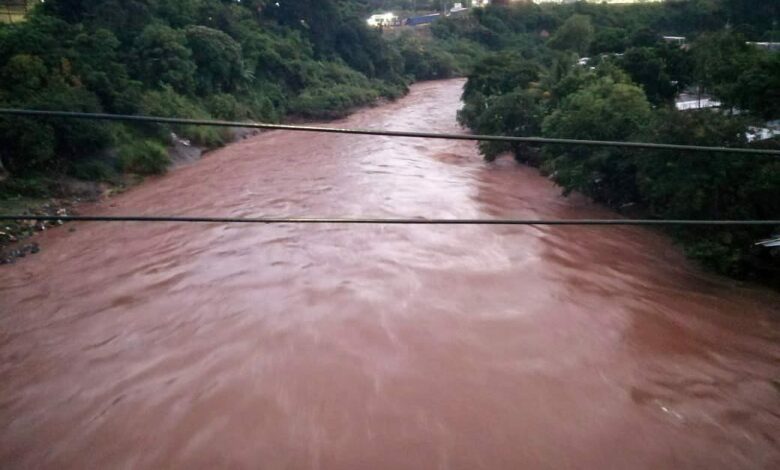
(251,59)
(533,83)
(267,60)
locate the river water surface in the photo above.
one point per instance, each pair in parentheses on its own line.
(371,347)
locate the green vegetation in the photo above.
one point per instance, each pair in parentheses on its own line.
(531,84)
(144,157)
(226,59)
(266,60)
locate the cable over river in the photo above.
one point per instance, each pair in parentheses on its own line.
(378,347)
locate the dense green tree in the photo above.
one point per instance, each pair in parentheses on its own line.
(23,76)
(575,34)
(99,68)
(604,110)
(29,146)
(719,60)
(705,186)
(218,59)
(500,73)
(161,57)
(646,68)
(517,113)
(609,40)
(758,87)
(425,60)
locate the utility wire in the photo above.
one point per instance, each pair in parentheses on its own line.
(422,135)
(379,221)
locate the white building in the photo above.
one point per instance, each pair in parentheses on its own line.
(696,103)
(383,19)
(761,133)
(457,8)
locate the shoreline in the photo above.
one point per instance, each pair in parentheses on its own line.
(16,238)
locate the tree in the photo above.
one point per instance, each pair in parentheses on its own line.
(517,113)
(646,68)
(609,40)
(100,68)
(23,76)
(575,34)
(758,87)
(68,10)
(605,110)
(500,73)
(719,60)
(162,58)
(709,186)
(29,146)
(218,59)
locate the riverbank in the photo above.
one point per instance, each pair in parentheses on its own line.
(63,196)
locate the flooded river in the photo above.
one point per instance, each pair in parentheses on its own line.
(378,347)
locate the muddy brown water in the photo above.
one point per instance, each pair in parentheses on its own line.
(351,347)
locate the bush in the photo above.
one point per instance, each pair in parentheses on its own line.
(425,59)
(26,147)
(162,58)
(331,102)
(223,106)
(218,59)
(144,157)
(266,103)
(34,187)
(93,170)
(168,103)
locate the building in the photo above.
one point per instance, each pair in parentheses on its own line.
(692,100)
(771,243)
(770,46)
(458,8)
(383,20)
(678,40)
(755,134)
(14,11)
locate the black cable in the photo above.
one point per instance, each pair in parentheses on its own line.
(378,221)
(424,135)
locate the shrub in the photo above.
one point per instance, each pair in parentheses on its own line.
(331,102)
(144,157)
(35,187)
(218,59)
(223,106)
(162,58)
(168,103)
(93,170)
(26,147)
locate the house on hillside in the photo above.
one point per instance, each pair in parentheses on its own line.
(755,134)
(14,11)
(458,8)
(692,99)
(383,20)
(770,46)
(677,40)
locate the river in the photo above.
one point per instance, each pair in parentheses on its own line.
(349,347)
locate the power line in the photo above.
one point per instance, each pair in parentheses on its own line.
(396,221)
(422,135)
